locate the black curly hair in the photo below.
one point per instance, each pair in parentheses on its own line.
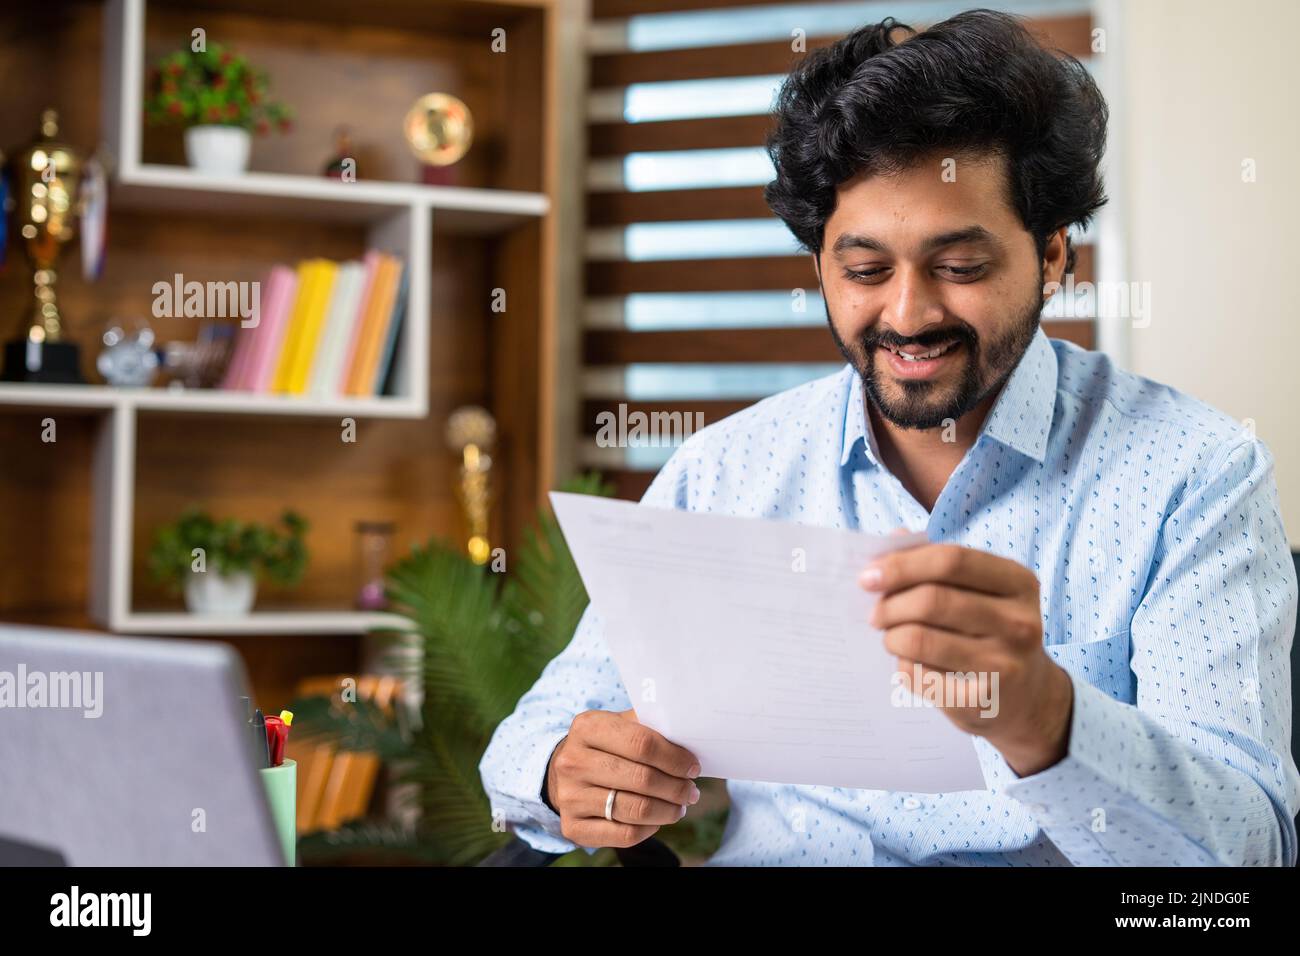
(974,84)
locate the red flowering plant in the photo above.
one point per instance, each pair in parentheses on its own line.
(213,86)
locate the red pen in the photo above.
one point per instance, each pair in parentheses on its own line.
(277,735)
(274,742)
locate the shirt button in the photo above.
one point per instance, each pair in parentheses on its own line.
(911,803)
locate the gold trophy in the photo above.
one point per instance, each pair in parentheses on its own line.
(46,178)
(471,433)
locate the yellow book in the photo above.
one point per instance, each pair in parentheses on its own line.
(378,307)
(289,345)
(313,321)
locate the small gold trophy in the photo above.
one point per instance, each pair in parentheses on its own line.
(471,433)
(46,178)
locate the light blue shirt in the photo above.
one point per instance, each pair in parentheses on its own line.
(1168,594)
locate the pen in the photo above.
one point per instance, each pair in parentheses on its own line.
(276,734)
(286,721)
(271,736)
(261,747)
(282,735)
(250,725)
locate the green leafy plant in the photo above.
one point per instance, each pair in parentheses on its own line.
(212,86)
(229,546)
(476,644)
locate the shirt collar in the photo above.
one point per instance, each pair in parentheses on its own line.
(1021,417)
(855,418)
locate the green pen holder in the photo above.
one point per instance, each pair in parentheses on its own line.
(282,794)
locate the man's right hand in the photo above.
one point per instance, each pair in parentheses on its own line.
(607,750)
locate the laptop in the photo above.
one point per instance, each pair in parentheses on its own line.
(126,752)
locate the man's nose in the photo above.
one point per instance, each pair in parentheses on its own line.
(913,303)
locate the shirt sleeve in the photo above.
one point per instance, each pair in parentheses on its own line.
(581,677)
(1199,771)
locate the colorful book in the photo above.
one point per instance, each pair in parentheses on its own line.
(293,331)
(345,304)
(324,328)
(237,368)
(379,310)
(394,330)
(277,299)
(313,322)
(371,270)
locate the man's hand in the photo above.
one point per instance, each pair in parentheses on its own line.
(607,750)
(951,610)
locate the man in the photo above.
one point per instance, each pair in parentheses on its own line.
(1110,548)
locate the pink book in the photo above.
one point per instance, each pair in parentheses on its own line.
(371,263)
(277,300)
(237,370)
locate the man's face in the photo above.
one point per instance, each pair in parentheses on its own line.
(912,262)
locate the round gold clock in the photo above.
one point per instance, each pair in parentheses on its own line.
(439,129)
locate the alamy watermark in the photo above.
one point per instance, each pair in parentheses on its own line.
(645,430)
(931,688)
(129,910)
(1106,300)
(55,690)
(208,300)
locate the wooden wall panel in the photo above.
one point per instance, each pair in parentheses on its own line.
(45,496)
(516,380)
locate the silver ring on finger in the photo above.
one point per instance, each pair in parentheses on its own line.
(609,806)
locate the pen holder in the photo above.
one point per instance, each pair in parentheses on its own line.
(282,794)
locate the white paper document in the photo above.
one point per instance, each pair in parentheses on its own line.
(747,642)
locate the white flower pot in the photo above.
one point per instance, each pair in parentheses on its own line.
(228,595)
(218,150)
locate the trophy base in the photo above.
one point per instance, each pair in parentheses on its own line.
(49,362)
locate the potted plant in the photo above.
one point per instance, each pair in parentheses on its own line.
(217,563)
(219,98)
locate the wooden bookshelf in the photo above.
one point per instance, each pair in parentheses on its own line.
(77,515)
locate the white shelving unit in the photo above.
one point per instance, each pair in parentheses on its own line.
(399,217)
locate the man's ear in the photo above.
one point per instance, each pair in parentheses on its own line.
(817,266)
(1054,256)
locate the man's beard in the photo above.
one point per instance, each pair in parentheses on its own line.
(927,403)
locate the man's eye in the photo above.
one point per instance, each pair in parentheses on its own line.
(956,272)
(966,271)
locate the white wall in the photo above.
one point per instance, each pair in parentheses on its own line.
(1208,85)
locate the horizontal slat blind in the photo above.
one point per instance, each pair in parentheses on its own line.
(628,8)
(634,178)
(1073,34)
(814,344)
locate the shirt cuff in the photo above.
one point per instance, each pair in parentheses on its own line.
(546,835)
(1057,786)
(1070,799)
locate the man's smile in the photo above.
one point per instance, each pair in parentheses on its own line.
(914,362)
